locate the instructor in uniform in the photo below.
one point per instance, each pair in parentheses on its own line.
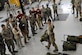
(51,36)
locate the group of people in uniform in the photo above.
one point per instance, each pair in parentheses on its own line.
(17,28)
(76,6)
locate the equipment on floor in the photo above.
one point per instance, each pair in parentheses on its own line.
(80,19)
(48,53)
(69,46)
(73,39)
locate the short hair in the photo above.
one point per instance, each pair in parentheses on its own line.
(18,11)
(42,5)
(2,25)
(11,15)
(49,20)
(47,5)
(7,20)
(32,7)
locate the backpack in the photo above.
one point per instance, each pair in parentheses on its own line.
(73,39)
(44,37)
(69,46)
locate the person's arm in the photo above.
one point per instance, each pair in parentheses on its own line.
(17,16)
(40,13)
(53,26)
(19,29)
(15,32)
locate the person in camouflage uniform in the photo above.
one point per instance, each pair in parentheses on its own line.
(38,17)
(38,10)
(7,35)
(49,14)
(23,28)
(51,36)
(33,11)
(32,22)
(73,5)
(44,13)
(2,46)
(7,8)
(12,20)
(78,7)
(55,9)
(8,26)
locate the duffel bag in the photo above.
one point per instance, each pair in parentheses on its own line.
(69,46)
(44,37)
(48,53)
(73,39)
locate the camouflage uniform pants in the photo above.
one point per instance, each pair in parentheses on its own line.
(78,10)
(10,44)
(52,41)
(55,12)
(73,6)
(2,49)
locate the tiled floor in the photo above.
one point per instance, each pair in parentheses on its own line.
(72,26)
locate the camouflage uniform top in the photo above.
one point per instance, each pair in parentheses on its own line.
(24,21)
(54,6)
(48,11)
(51,33)
(7,34)
(8,26)
(13,20)
(43,12)
(50,29)
(77,3)
(32,19)
(72,1)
